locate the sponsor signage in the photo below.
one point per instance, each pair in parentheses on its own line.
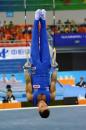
(70,39)
(7,53)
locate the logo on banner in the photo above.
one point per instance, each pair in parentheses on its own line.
(3,53)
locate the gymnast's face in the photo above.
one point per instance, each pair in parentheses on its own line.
(42,106)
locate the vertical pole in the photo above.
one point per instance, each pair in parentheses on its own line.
(54,25)
(25,18)
(54,11)
(54,20)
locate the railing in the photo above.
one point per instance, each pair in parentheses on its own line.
(12,43)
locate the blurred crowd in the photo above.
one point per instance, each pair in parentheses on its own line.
(69,26)
(14,33)
(22,33)
(12,79)
(10,88)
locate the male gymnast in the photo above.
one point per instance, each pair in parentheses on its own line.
(40,86)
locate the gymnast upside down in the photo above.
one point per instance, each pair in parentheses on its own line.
(40,86)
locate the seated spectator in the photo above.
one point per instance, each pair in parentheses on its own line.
(10,25)
(67,29)
(13,78)
(67,22)
(84,23)
(29,30)
(9,97)
(74,28)
(4,78)
(59,23)
(25,30)
(81,83)
(12,38)
(1,25)
(5,25)
(61,29)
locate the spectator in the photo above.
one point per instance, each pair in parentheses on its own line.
(61,28)
(25,30)
(12,38)
(29,30)
(1,25)
(59,23)
(4,78)
(74,28)
(13,78)
(9,97)
(67,29)
(67,22)
(81,83)
(10,25)
(5,25)
(84,23)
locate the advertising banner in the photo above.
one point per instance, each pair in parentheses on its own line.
(7,53)
(70,39)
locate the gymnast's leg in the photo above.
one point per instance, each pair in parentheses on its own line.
(35,56)
(44,53)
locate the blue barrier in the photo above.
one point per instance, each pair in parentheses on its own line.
(12,66)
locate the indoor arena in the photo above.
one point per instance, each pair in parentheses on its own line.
(42,64)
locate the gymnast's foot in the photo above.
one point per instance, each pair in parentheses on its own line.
(37,14)
(43,14)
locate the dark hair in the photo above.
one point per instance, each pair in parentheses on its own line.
(8,86)
(45,113)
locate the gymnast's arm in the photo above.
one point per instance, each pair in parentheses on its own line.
(28,86)
(53,85)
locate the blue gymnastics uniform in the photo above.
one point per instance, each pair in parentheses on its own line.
(40,57)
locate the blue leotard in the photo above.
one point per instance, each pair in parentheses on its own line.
(40,57)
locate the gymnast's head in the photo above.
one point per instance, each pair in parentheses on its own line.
(43,109)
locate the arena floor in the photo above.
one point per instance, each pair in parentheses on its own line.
(61,118)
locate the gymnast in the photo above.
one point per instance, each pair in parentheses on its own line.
(40,84)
